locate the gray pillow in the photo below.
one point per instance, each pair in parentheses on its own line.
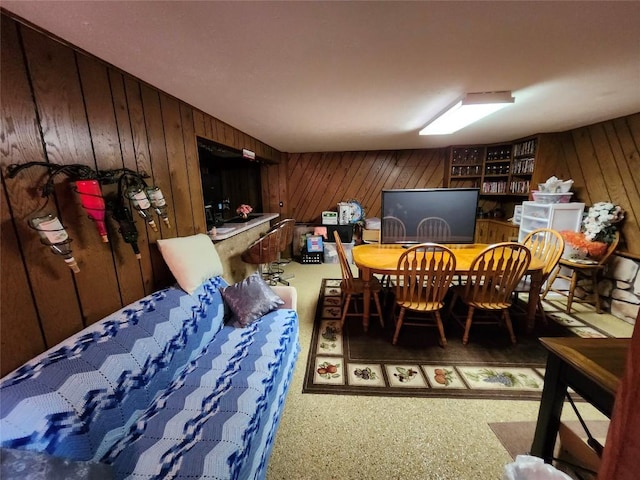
(249,300)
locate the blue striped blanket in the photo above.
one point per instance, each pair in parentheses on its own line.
(160,389)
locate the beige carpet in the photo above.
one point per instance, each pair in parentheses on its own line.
(354,437)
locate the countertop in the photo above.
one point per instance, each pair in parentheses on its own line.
(228,230)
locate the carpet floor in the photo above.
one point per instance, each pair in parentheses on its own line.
(355,437)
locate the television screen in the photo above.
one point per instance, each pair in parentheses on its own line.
(440,215)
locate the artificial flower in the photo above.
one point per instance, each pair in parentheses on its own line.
(599,222)
(244,210)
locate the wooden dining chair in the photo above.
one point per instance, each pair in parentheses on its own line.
(393,230)
(493,275)
(352,288)
(434,229)
(546,245)
(424,274)
(580,274)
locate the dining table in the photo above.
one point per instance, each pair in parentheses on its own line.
(377,258)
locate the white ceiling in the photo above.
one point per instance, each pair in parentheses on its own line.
(353,75)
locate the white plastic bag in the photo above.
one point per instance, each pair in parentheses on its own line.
(527,467)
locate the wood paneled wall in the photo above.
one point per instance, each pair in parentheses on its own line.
(62,106)
(603,160)
(318,181)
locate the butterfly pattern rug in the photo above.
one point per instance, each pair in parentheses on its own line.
(350,361)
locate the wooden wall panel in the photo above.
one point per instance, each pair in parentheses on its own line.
(177,165)
(160,177)
(604,161)
(64,125)
(624,137)
(124,252)
(52,283)
(20,334)
(193,168)
(66,107)
(318,181)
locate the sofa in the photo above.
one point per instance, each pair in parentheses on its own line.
(175,385)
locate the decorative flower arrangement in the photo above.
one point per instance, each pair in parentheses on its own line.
(597,231)
(599,222)
(244,210)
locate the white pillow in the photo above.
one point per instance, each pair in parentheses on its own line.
(192,260)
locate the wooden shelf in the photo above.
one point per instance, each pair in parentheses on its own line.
(515,163)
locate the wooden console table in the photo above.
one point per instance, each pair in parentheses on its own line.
(592,367)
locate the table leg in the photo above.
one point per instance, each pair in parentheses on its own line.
(365,275)
(532,304)
(551,403)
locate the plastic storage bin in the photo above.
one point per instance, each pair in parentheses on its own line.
(331,252)
(309,258)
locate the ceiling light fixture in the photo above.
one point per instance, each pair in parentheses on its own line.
(471,108)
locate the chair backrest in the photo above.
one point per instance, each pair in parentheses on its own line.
(347,274)
(393,229)
(495,273)
(612,248)
(434,229)
(547,245)
(286,228)
(424,273)
(264,250)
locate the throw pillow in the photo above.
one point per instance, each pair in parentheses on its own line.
(192,260)
(250,299)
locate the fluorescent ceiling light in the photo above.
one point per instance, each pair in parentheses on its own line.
(471,108)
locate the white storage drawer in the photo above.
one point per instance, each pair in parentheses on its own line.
(558,216)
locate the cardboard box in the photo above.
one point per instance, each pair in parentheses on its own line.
(371,236)
(574,454)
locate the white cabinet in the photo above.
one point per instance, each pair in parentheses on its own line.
(558,216)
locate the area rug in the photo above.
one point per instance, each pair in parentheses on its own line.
(355,362)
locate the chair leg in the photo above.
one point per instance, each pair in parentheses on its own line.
(572,288)
(507,322)
(376,298)
(467,326)
(550,281)
(596,293)
(346,300)
(398,326)
(542,312)
(443,339)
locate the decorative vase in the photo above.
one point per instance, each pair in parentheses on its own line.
(244,216)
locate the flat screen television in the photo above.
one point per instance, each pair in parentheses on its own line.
(440,215)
